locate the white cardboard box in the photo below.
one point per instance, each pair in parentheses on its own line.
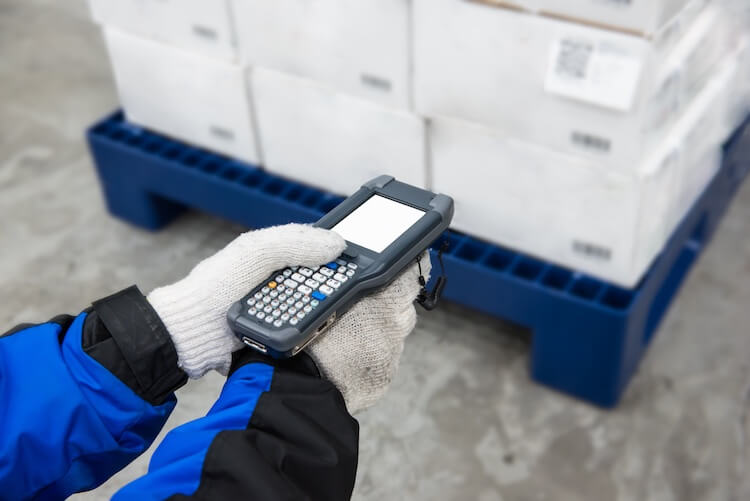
(568,209)
(316,135)
(568,87)
(643,17)
(203,26)
(358,47)
(197,99)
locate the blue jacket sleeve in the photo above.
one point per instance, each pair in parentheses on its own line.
(278,431)
(82,396)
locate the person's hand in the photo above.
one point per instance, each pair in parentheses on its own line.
(360,352)
(194,309)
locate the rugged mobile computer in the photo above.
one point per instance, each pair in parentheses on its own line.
(386,224)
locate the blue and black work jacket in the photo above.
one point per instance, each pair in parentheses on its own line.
(81,397)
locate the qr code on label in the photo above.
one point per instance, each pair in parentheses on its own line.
(573,59)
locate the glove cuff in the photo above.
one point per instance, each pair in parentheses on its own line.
(199,331)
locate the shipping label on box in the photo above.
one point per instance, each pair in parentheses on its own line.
(594,71)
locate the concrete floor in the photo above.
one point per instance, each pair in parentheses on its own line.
(462,420)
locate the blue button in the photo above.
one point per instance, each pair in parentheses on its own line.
(318,295)
(332,266)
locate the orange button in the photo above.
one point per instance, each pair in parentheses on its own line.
(272,285)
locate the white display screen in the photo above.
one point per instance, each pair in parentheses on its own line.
(377,223)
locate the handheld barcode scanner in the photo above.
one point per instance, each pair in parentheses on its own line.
(387,225)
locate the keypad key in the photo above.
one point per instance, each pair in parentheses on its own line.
(312,283)
(281,288)
(294,268)
(283,297)
(290,301)
(352,266)
(333,283)
(283,307)
(267,299)
(325,289)
(290,284)
(265,290)
(304,289)
(333,265)
(327,272)
(268,309)
(258,296)
(306,272)
(260,315)
(269,319)
(299,305)
(287,273)
(305,299)
(341,262)
(293,321)
(273,294)
(297,295)
(275,303)
(314,303)
(251,301)
(292,311)
(276,313)
(319,277)
(298,278)
(307,309)
(350,273)
(318,296)
(301,315)
(340,277)
(285,317)
(278,323)
(252,311)
(279,279)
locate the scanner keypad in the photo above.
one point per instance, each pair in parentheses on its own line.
(295,292)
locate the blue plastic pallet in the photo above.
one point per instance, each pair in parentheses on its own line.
(588,336)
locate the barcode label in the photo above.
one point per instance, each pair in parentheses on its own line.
(573,59)
(592,250)
(375,82)
(591,142)
(594,71)
(221,133)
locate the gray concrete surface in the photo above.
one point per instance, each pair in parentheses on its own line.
(462,420)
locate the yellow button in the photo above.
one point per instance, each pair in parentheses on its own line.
(272,285)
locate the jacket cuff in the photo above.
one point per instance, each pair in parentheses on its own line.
(124,334)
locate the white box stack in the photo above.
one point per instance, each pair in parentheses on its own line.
(576,131)
(575,139)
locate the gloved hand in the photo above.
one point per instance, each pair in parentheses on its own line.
(360,352)
(194,309)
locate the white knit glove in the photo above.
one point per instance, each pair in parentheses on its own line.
(194,309)
(361,350)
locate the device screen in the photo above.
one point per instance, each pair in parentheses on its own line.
(377,223)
